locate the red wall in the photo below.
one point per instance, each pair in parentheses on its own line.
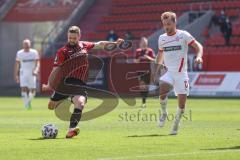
(221,62)
(46,68)
(123,76)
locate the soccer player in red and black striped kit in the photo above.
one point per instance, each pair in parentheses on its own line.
(145,56)
(72,49)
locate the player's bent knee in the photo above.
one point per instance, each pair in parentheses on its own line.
(165,85)
(79,101)
(181,105)
(24,89)
(79,105)
(33,91)
(164,89)
(162,97)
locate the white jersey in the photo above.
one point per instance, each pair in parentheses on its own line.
(175,49)
(27,61)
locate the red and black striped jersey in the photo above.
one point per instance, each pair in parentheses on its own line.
(141,52)
(68,52)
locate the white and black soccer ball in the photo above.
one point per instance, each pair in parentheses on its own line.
(49,131)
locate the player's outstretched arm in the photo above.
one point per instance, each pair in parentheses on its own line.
(102,44)
(199,49)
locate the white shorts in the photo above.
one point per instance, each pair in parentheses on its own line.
(28,81)
(178,80)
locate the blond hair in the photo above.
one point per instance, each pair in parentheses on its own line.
(144,39)
(27,41)
(167,15)
(74,29)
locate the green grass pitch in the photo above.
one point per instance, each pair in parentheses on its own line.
(210,130)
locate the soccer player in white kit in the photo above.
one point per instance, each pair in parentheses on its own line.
(173,49)
(26,71)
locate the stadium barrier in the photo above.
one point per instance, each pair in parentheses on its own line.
(215,84)
(120,77)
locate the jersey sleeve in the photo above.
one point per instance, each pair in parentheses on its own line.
(89,45)
(37,55)
(59,58)
(18,58)
(160,45)
(188,38)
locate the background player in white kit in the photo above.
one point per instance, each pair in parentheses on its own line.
(26,71)
(173,49)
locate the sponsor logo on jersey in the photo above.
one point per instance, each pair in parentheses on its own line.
(28,60)
(172,48)
(79,53)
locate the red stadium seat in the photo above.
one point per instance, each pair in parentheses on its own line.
(142,18)
(26,11)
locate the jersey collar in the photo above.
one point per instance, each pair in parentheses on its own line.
(172,33)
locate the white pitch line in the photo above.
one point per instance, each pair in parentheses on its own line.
(169,154)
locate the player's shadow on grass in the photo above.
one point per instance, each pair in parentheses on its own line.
(150,135)
(224,148)
(42,139)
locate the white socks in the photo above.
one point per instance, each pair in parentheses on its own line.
(31,96)
(164,105)
(25,98)
(176,122)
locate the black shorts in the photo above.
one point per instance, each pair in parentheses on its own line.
(145,77)
(58,96)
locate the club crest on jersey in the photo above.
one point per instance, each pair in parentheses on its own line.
(178,38)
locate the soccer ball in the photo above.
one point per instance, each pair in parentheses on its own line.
(49,131)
